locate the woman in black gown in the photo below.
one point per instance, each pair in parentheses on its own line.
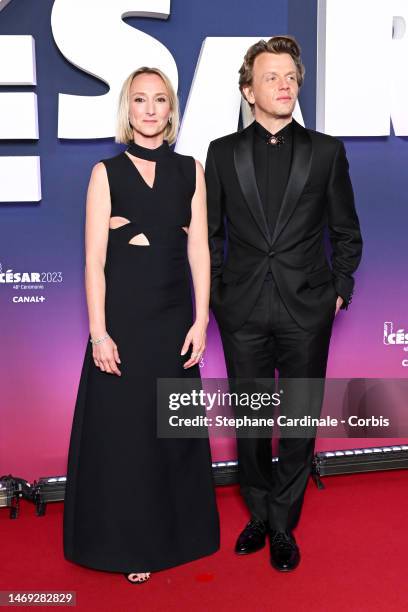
(135,502)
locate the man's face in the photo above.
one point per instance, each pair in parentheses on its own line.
(274,88)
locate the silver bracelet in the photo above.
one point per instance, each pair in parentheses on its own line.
(99,340)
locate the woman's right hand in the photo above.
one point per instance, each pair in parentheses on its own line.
(106,356)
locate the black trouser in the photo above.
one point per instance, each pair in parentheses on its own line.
(271,339)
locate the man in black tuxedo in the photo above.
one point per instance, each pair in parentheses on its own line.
(273,188)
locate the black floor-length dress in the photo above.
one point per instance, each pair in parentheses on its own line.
(136,502)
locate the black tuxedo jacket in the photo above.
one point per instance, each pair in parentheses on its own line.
(318,195)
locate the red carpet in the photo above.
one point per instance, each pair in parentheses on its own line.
(353,538)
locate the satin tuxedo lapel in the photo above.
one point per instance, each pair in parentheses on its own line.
(299,172)
(244,166)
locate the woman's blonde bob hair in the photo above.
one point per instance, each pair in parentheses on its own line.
(124,131)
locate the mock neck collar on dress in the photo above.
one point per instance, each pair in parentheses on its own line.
(149,154)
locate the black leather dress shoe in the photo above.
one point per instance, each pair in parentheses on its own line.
(252,538)
(285,555)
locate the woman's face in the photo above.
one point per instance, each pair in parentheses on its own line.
(149,105)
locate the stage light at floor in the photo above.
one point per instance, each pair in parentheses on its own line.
(12,489)
(350,461)
(46,490)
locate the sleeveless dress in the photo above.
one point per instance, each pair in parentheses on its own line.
(134,501)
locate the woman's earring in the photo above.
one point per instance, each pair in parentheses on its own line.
(170,119)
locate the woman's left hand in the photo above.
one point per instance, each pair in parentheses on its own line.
(196,336)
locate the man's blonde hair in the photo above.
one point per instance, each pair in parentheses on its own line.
(276,45)
(124,131)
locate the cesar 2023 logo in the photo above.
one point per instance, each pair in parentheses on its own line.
(396,338)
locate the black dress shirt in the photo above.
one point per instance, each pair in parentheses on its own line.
(272,167)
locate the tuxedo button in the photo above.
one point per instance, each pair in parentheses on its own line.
(271,253)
